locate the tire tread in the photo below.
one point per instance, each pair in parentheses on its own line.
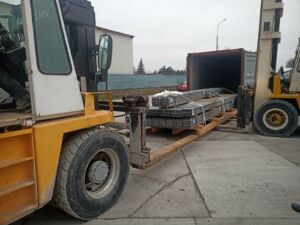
(69,153)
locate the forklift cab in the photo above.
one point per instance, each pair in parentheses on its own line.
(54,57)
(61,56)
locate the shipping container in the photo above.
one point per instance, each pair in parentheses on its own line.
(226,68)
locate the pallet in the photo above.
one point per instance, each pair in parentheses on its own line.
(177,131)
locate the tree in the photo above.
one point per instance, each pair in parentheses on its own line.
(141,68)
(163,70)
(170,71)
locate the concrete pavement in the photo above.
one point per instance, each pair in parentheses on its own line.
(221,179)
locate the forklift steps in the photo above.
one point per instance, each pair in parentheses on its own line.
(18,189)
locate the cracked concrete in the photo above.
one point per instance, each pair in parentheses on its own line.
(292,153)
(167,170)
(138,190)
(244,179)
(246,221)
(221,179)
(177,199)
(155,221)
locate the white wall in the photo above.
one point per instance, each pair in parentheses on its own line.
(122,59)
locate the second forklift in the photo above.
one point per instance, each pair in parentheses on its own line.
(277,99)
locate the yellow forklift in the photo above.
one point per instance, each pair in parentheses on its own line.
(277,97)
(56,148)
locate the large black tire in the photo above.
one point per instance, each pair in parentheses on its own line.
(87,158)
(277,118)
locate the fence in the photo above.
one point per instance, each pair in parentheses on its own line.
(118,82)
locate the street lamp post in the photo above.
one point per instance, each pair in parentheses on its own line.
(218,32)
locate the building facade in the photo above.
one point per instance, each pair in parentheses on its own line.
(122,60)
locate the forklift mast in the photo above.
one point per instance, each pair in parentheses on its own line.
(268,40)
(295,75)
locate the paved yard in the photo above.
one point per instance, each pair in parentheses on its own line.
(221,179)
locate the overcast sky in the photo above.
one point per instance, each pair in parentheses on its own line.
(166,30)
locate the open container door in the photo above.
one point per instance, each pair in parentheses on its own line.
(53,82)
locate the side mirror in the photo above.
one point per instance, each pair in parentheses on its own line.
(105,52)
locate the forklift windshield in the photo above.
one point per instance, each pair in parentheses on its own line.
(13,73)
(11,23)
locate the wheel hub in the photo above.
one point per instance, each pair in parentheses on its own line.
(98,172)
(102,173)
(275,118)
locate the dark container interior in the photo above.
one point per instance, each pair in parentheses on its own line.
(225,69)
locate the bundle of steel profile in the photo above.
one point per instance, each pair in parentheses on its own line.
(192,108)
(185,123)
(191,114)
(188,110)
(174,99)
